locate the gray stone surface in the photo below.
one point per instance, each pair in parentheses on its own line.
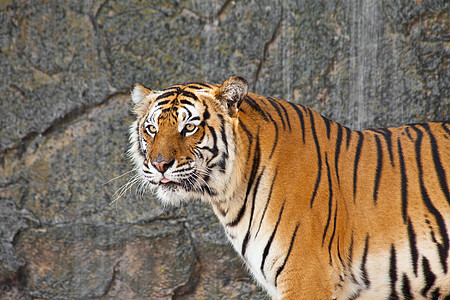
(69,225)
(123,261)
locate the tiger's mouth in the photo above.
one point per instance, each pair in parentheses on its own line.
(165,180)
(191,183)
(183,183)
(169,185)
(193,178)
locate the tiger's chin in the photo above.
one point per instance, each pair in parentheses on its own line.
(174,194)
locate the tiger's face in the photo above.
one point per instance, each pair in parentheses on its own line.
(181,142)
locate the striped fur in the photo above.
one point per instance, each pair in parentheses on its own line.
(316,210)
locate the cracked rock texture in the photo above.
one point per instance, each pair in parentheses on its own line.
(66,68)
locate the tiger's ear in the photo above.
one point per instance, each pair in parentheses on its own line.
(232,92)
(139,93)
(140,97)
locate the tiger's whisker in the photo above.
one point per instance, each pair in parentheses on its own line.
(120,176)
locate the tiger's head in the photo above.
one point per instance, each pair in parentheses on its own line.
(183,142)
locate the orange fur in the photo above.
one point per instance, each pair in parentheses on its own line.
(316,210)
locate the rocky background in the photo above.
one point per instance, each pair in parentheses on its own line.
(71,225)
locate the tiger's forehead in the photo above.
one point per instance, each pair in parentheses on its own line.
(178,103)
(182,94)
(172,101)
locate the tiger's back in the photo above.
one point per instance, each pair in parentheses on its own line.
(380,189)
(315,209)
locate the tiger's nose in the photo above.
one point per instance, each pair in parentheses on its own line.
(162,165)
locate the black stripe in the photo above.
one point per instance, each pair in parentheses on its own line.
(436,293)
(269,116)
(332,234)
(339,254)
(191,86)
(275,142)
(189,95)
(269,196)
(379,168)
(387,134)
(300,117)
(199,154)
(198,83)
(190,114)
(373,129)
(224,136)
(186,102)
(286,114)
(255,106)
(142,149)
(221,164)
(350,251)
(338,151)
(393,273)
(280,269)
(255,166)
(330,199)
(408,134)
(348,136)
(355,168)
(174,87)
(406,288)
(269,242)
(206,113)
(363,263)
(247,235)
(429,276)
(403,181)
(275,105)
(437,163)
(167,112)
(446,129)
(319,161)
(327,124)
(376,130)
(199,141)
(162,103)
(350,266)
(214,150)
(247,132)
(443,248)
(413,246)
(165,95)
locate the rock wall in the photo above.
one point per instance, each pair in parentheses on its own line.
(72,224)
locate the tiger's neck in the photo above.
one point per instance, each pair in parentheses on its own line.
(240,191)
(243,212)
(264,187)
(231,204)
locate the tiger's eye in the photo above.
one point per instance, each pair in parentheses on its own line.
(190,127)
(151,129)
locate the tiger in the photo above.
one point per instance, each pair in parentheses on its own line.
(314,209)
